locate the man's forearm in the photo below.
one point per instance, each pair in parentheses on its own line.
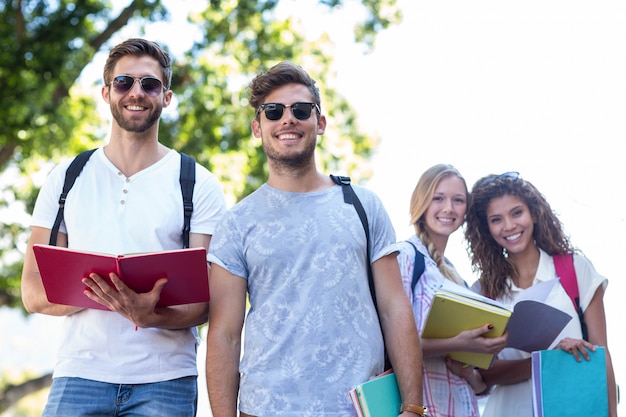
(222,377)
(405,354)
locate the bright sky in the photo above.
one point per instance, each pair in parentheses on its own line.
(488,86)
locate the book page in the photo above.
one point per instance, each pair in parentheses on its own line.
(534,325)
(538,292)
(466,292)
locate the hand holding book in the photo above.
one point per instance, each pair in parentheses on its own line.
(119,297)
(456,309)
(563,386)
(62,272)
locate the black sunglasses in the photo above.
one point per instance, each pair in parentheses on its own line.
(510,175)
(301,110)
(122,84)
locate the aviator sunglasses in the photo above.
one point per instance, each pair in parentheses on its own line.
(301,110)
(122,84)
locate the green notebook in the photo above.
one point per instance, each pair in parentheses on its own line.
(563,387)
(379,397)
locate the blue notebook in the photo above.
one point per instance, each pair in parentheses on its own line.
(379,397)
(563,387)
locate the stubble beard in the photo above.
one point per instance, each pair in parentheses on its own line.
(292,163)
(132,125)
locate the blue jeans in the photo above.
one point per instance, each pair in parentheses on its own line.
(84,397)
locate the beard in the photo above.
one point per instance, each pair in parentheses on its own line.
(290,162)
(132,125)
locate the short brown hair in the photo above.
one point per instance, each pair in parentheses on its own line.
(139,47)
(280,74)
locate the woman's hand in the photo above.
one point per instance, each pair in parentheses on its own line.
(576,347)
(474,341)
(469,373)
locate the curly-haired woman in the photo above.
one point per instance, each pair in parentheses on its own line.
(513,233)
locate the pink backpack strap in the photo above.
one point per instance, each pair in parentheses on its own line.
(564,265)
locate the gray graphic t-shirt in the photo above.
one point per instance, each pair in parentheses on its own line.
(311,333)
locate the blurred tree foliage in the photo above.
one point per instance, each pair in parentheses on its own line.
(47,116)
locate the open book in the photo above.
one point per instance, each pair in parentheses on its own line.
(63,269)
(532,324)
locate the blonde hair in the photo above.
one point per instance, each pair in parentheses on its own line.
(420,200)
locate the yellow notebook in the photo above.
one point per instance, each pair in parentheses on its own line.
(455,309)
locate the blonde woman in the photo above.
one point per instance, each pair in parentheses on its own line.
(437,210)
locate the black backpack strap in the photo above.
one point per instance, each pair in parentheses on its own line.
(418,266)
(350,197)
(73,171)
(187,181)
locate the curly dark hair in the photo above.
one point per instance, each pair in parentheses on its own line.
(488,258)
(280,74)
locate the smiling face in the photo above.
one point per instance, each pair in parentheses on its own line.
(135,111)
(289,143)
(446,211)
(511,224)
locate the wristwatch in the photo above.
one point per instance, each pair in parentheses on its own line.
(420,410)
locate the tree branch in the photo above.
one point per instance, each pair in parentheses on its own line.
(116,24)
(13,393)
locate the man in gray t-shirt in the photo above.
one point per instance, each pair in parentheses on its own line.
(300,253)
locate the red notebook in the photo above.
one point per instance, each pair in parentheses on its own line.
(63,269)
